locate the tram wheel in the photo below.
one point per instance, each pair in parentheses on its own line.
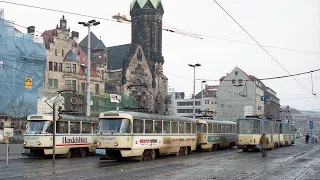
(69,154)
(153,154)
(83,152)
(186,151)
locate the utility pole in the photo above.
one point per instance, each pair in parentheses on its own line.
(194,87)
(89,24)
(239,85)
(55,115)
(202,94)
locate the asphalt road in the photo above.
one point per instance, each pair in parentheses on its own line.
(300,161)
(14,151)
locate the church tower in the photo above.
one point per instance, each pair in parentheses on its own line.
(146,17)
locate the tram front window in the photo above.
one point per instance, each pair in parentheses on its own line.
(245,126)
(38,127)
(115,126)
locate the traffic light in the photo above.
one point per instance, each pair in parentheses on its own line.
(60,113)
(57,111)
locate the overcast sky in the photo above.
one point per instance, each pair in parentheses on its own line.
(292,24)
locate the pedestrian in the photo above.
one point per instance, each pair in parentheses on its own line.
(307,138)
(264,142)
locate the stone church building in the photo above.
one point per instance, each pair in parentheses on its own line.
(137,68)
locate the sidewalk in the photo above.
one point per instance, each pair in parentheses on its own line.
(14,151)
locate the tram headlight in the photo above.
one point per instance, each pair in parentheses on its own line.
(115,143)
(98,143)
(39,143)
(25,143)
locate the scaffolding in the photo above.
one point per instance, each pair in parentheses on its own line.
(21,56)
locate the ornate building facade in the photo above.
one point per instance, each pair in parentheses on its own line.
(136,69)
(66,67)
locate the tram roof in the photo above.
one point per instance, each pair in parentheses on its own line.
(221,122)
(49,117)
(139,115)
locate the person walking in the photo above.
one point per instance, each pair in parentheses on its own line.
(307,138)
(264,142)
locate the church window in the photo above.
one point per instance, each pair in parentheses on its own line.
(240,81)
(62,52)
(236,73)
(233,81)
(56,52)
(139,55)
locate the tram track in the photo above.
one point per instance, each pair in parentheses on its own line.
(306,171)
(291,158)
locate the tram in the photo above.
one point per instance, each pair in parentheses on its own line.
(74,135)
(250,130)
(287,134)
(144,136)
(213,135)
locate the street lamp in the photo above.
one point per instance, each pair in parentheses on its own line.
(194,86)
(239,85)
(89,24)
(202,93)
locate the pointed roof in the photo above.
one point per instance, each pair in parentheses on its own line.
(142,3)
(71,56)
(100,46)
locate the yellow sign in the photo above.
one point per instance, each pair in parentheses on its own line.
(28,83)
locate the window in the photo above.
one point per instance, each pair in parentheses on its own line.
(74,85)
(60,67)
(74,127)
(50,66)
(83,87)
(223,129)
(86,128)
(236,73)
(233,81)
(240,81)
(209,128)
(149,126)
(56,52)
(219,128)
(181,128)
(53,83)
(62,52)
(68,67)
(97,88)
(55,66)
(138,126)
(194,128)
(215,128)
(68,84)
(62,127)
(166,127)
(188,128)
(158,127)
(174,127)
(74,68)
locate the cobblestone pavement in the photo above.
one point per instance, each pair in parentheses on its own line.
(300,161)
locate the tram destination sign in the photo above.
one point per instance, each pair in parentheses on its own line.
(70,140)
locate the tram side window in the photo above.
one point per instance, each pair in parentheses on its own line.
(181,128)
(166,127)
(256,127)
(138,126)
(62,127)
(234,129)
(223,129)
(215,128)
(219,128)
(229,129)
(210,128)
(194,128)
(95,127)
(174,127)
(204,128)
(158,127)
(188,128)
(74,127)
(148,127)
(86,128)
(281,128)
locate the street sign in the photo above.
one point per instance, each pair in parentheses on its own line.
(310,124)
(263,98)
(28,83)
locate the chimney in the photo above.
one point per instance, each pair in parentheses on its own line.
(31,30)
(75,36)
